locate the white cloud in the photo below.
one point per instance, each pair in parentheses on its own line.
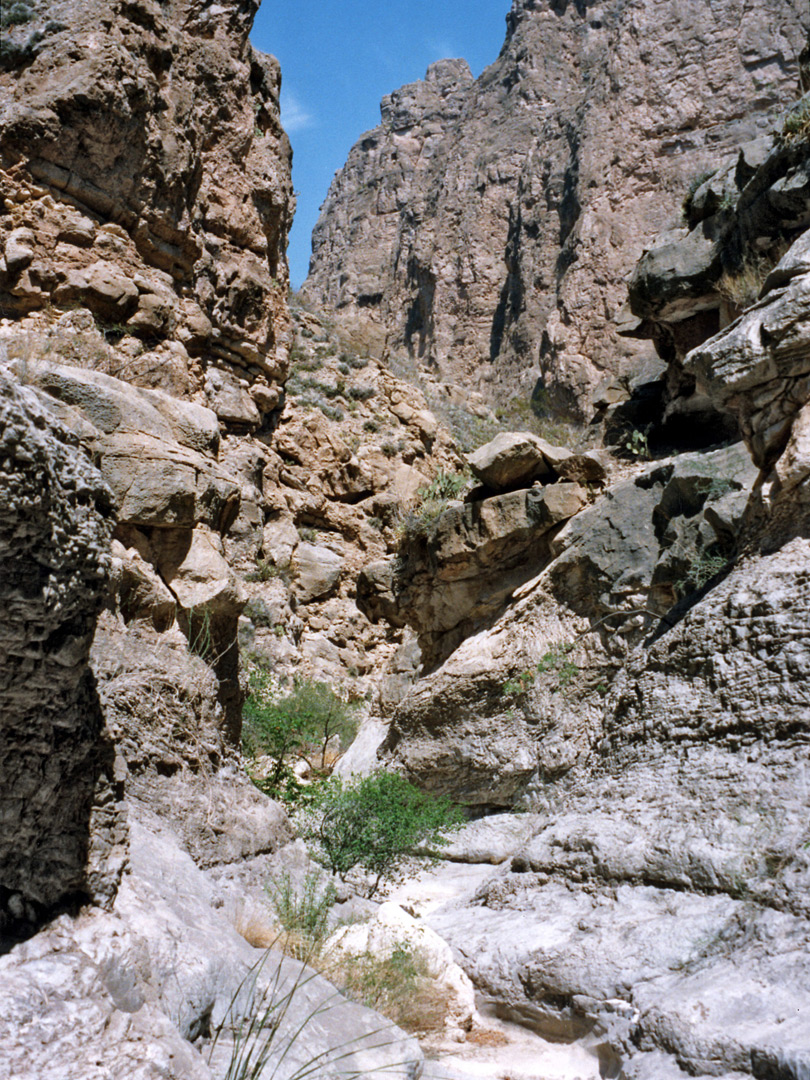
(294,114)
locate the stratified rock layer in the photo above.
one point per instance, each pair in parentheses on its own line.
(63,833)
(490,225)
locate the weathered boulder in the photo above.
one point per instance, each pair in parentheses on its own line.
(392,929)
(317,570)
(514,459)
(64,831)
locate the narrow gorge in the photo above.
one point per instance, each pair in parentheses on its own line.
(506,509)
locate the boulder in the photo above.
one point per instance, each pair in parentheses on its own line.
(392,929)
(317,571)
(513,459)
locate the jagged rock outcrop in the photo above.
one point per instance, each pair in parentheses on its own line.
(698,279)
(490,226)
(64,827)
(146,176)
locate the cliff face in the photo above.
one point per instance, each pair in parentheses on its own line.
(147,176)
(490,225)
(146,197)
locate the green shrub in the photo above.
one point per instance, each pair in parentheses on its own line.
(417,524)
(554,663)
(16,14)
(265,571)
(305,723)
(796,125)
(374,822)
(303,913)
(362,393)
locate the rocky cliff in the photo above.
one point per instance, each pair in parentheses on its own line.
(489,226)
(643,694)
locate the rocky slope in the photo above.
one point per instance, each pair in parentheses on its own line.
(489,226)
(643,695)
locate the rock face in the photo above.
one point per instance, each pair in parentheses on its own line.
(148,176)
(142,989)
(64,828)
(489,225)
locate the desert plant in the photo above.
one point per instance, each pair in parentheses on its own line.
(263,1035)
(303,912)
(399,986)
(374,822)
(16,14)
(637,444)
(796,124)
(265,571)
(431,502)
(742,287)
(554,663)
(697,181)
(701,571)
(310,722)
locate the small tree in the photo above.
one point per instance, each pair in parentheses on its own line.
(308,718)
(374,822)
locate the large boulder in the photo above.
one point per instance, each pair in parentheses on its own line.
(514,459)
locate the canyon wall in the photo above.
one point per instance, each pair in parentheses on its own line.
(489,225)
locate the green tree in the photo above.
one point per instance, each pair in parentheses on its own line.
(306,723)
(374,822)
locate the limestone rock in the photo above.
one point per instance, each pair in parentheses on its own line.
(317,570)
(499,218)
(64,831)
(514,459)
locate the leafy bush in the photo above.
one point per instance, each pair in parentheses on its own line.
(310,722)
(374,822)
(16,14)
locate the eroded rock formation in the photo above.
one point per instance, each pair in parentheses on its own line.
(64,827)
(490,225)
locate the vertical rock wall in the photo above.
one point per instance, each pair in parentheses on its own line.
(490,226)
(63,831)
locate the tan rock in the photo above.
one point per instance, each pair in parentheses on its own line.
(511,459)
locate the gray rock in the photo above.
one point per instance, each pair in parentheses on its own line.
(317,571)
(64,830)
(512,459)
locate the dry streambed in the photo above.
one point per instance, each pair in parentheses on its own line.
(496,1048)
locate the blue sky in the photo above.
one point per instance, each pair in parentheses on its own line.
(339,57)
